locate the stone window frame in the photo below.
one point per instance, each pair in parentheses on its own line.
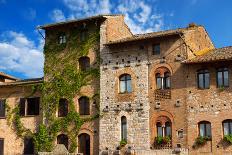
(62,38)
(163,120)
(3,105)
(2,151)
(86,112)
(203,71)
(126,83)
(162,71)
(59,141)
(84,63)
(125,97)
(205,132)
(223,70)
(24,107)
(124,131)
(63,111)
(229,121)
(154,48)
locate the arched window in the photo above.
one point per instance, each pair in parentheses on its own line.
(164,126)
(163,78)
(158,81)
(84,105)
(125,83)
(63,108)
(204,129)
(123,128)
(84,144)
(84,63)
(203,79)
(223,77)
(227,127)
(62,139)
(167,81)
(168,131)
(159,129)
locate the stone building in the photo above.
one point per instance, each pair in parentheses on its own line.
(160,93)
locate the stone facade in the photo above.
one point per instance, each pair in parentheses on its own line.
(181,106)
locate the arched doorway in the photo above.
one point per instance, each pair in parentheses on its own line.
(84,143)
(63,139)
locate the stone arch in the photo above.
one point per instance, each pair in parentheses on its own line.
(85,141)
(162,117)
(125,97)
(158,68)
(63,139)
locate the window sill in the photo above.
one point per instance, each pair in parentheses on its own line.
(125,93)
(4,117)
(29,116)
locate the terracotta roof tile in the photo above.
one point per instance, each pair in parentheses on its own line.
(22,82)
(77,21)
(8,76)
(219,54)
(148,36)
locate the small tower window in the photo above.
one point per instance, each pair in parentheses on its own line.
(123,128)
(62,39)
(125,83)
(156,49)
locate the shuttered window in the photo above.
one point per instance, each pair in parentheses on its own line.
(1,146)
(2,108)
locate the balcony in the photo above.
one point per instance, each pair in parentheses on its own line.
(161,94)
(161,143)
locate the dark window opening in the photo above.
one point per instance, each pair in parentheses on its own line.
(63,108)
(227,127)
(63,139)
(84,144)
(2,108)
(205,129)
(223,77)
(84,106)
(1,146)
(125,83)
(83,35)
(84,63)
(123,128)
(163,81)
(62,38)
(156,49)
(28,146)
(33,106)
(29,106)
(203,79)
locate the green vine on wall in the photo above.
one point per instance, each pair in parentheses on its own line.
(63,79)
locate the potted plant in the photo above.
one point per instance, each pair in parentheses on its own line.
(228,138)
(123,142)
(201,140)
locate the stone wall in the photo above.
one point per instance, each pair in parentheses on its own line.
(8,133)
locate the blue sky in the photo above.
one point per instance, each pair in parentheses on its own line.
(21,46)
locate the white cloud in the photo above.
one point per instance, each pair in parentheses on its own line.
(140,15)
(19,54)
(57,15)
(84,8)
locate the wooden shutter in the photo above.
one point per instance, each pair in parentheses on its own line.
(22,106)
(2,108)
(1,146)
(37,100)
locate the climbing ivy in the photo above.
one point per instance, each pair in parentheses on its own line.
(63,79)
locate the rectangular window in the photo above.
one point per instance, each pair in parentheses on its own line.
(62,39)
(83,35)
(203,78)
(223,77)
(28,146)
(1,146)
(156,49)
(33,106)
(2,108)
(29,106)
